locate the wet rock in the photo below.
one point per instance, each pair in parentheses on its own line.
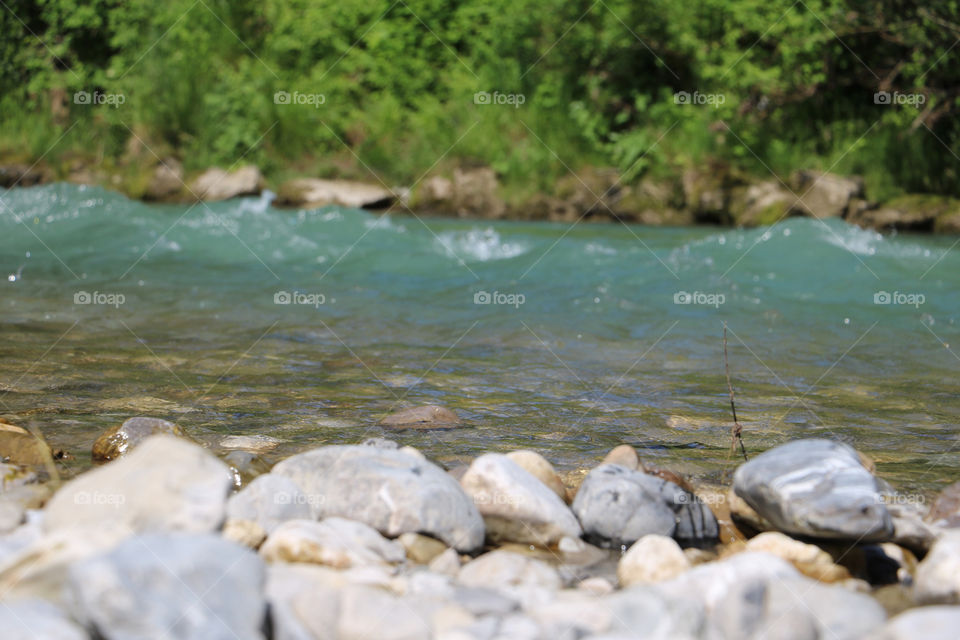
(796,608)
(164,484)
(515,505)
(538,466)
(37,620)
(245,466)
(269,500)
(945,511)
(623,455)
(617,506)
(380,443)
(652,558)
(825,195)
(887,563)
(253,444)
(391,491)
(929,623)
(335,542)
(120,439)
(170,585)
(428,416)
(938,575)
(313,193)
(217,184)
(815,488)
(809,559)
(20,447)
(421,549)
(167,181)
(498,569)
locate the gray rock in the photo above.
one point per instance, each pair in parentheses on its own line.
(37,620)
(929,623)
(816,488)
(796,608)
(392,491)
(269,500)
(938,575)
(171,585)
(304,601)
(335,542)
(515,505)
(164,484)
(645,612)
(618,506)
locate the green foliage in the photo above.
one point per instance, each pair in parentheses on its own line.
(783,86)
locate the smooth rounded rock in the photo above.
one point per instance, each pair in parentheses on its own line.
(498,569)
(652,558)
(420,548)
(938,575)
(177,585)
(809,559)
(928,623)
(164,484)
(816,488)
(623,455)
(335,542)
(618,506)
(515,505)
(429,416)
(254,444)
(541,469)
(269,500)
(118,440)
(391,491)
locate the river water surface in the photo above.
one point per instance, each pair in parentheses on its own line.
(567,340)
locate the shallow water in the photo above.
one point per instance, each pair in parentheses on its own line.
(597,353)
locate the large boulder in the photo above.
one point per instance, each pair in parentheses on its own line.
(816,488)
(393,491)
(171,586)
(825,195)
(312,193)
(166,483)
(119,439)
(618,506)
(515,505)
(217,184)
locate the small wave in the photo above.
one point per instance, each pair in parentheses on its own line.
(480,245)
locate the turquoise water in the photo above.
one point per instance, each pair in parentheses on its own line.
(589,348)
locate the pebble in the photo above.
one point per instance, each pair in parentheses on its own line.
(652,558)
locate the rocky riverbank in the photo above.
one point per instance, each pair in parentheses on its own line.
(373,540)
(715,195)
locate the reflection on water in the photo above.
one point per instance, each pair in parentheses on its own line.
(601,351)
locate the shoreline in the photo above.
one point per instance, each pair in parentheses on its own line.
(718,197)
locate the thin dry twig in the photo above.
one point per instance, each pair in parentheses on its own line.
(736,431)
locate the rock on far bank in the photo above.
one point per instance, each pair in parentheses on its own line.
(618,506)
(217,184)
(176,585)
(312,193)
(166,483)
(816,488)
(515,505)
(393,491)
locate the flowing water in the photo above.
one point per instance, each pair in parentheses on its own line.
(567,340)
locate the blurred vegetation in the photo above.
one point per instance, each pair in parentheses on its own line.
(797,80)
